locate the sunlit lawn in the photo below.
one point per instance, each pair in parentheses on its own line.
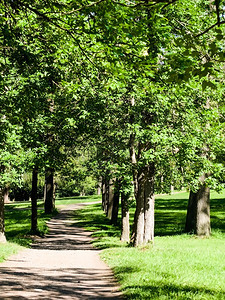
(178,266)
(77,199)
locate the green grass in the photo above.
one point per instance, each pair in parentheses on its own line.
(8,249)
(178,266)
(77,199)
(17,227)
(18,223)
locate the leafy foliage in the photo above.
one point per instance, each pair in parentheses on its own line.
(69,73)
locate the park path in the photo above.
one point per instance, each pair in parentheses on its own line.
(62,265)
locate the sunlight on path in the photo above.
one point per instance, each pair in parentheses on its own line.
(63,265)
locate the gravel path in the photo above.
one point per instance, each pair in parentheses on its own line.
(62,265)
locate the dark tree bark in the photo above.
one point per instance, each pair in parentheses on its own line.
(34,227)
(143,180)
(49,191)
(105,193)
(116,198)
(2,220)
(198,212)
(110,199)
(125,234)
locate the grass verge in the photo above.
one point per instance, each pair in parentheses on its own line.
(178,266)
(8,249)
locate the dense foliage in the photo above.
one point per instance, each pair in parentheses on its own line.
(139,85)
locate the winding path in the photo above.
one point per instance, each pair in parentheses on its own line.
(62,265)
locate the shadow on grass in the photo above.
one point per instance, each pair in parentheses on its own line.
(170,291)
(218,223)
(170,217)
(18,225)
(93,219)
(217,209)
(171,203)
(169,222)
(218,204)
(164,288)
(161,285)
(170,214)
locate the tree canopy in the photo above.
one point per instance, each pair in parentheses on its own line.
(140,83)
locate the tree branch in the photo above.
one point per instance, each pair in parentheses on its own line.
(217,2)
(83,7)
(209,28)
(170,2)
(146,3)
(69,32)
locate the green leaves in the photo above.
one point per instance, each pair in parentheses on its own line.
(209,84)
(69,71)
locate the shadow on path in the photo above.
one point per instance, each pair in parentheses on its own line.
(62,265)
(62,235)
(73,283)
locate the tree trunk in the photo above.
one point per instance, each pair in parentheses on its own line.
(138,181)
(198,212)
(125,235)
(49,191)
(116,198)
(105,185)
(139,213)
(34,228)
(103,194)
(143,180)
(144,219)
(6,195)
(54,192)
(149,205)
(2,221)
(110,199)
(99,188)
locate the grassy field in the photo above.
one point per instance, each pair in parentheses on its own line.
(178,266)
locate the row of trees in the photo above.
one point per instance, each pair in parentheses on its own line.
(139,84)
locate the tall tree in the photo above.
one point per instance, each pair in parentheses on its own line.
(34,224)
(49,191)
(118,52)
(2,224)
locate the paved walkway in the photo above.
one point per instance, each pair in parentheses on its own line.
(63,265)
